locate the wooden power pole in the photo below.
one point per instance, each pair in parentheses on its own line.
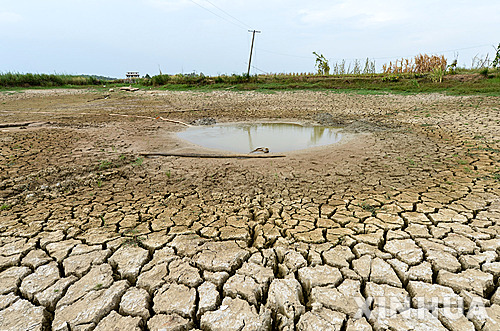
(251,49)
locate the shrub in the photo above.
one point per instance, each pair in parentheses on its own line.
(160,80)
(10,79)
(322,64)
(484,72)
(496,61)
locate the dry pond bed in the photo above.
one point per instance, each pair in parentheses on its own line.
(396,227)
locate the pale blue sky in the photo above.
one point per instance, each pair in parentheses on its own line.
(110,37)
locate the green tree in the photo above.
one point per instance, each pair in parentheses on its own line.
(496,61)
(322,64)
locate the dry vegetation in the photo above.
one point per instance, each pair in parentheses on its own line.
(420,64)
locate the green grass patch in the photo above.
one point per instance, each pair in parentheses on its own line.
(105,164)
(138,162)
(369,84)
(464,82)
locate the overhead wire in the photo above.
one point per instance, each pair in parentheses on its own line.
(264,72)
(435,52)
(283,54)
(242,25)
(376,58)
(222,17)
(225,12)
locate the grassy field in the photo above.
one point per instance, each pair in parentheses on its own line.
(462,82)
(45,80)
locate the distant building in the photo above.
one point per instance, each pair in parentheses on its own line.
(132,74)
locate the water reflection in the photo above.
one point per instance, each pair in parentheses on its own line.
(245,137)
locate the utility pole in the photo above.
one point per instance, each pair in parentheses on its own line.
(251,49)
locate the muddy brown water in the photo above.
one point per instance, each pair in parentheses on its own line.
(246,137)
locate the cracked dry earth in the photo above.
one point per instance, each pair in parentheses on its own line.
(395,228)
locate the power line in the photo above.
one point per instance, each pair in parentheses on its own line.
(213,13)
(460,49)
(243,25)
(447,51)
(264,72)
(225,12)
(376,58)
(282,54)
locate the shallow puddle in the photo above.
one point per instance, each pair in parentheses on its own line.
(246,137)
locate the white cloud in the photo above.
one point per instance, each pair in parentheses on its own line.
(8,17)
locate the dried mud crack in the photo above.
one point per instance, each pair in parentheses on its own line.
(395,228)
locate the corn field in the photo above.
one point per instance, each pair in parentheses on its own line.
(354,68)
(420,64)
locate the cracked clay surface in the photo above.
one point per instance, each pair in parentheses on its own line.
(395,228)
